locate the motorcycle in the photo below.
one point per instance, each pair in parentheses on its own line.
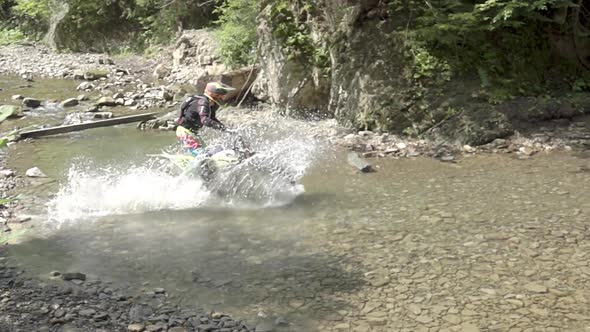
(207,166)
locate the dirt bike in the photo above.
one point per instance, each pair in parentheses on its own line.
(207,166)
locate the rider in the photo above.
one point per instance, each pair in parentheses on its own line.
(198,111)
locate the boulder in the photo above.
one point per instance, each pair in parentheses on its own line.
(85,86)
(103,115)
(161,71)
(284,81)
(96,74)
(31,103)
(70,102)
(106,101)
(7,111)
(35,172)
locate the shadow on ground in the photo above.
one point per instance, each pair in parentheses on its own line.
(248,263)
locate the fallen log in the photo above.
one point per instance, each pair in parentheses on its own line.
(89,125)
(359,163)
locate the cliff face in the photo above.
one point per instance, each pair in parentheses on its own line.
(373,83)
(287,82)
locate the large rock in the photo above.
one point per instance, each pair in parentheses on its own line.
(241,79)
(106,101)
(35,172)
(70,102)
(287,83)
(31,102)
(195,55)
(7,111)
(161,71)
(95,74)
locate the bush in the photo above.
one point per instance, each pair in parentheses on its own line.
(237,31)
(10,36)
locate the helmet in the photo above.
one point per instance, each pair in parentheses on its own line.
(217,90)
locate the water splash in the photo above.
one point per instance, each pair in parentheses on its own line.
(111,191)
(270,178)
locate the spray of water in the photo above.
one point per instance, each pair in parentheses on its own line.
(270,178)
(92,193)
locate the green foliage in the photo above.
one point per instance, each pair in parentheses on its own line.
(290,28)
(503,42)
(237,31)
(102,24)
(10,36)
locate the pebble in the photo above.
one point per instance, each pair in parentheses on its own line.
(136,327)
(535,288)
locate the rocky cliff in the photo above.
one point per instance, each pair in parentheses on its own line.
(373,83)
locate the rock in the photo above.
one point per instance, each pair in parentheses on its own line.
(165,95)
(527,151)
(93,109)
(447,158)
(31,102)
(78,75)
(161,71)
(6,173)
(137,327)
(82,98)
(70,102)
(280,321)
(452,319)
(138,313)
(296,303)
(130,102)
(415,309)
(54,274)
(106,101)
(35,172)
(341,327)
(92,75)
(105,61)
(178,329)
(535,288)
(10,111)
(100,316)
(379,281)
(159,290)
(157,327)
(357,162)
(73,275)
(469,149)
(424,319)
(401,146)
(59,313)
(87,312)
(120,101)
(18,97)
(265,327)
(118,95)
(85,86)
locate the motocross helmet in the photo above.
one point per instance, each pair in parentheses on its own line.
(218,91)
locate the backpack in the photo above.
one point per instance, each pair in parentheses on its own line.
(185,105)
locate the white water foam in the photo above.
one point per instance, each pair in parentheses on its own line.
(95,193)
(268,179)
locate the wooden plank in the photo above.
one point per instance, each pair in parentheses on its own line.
(83,126)
(359,163)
